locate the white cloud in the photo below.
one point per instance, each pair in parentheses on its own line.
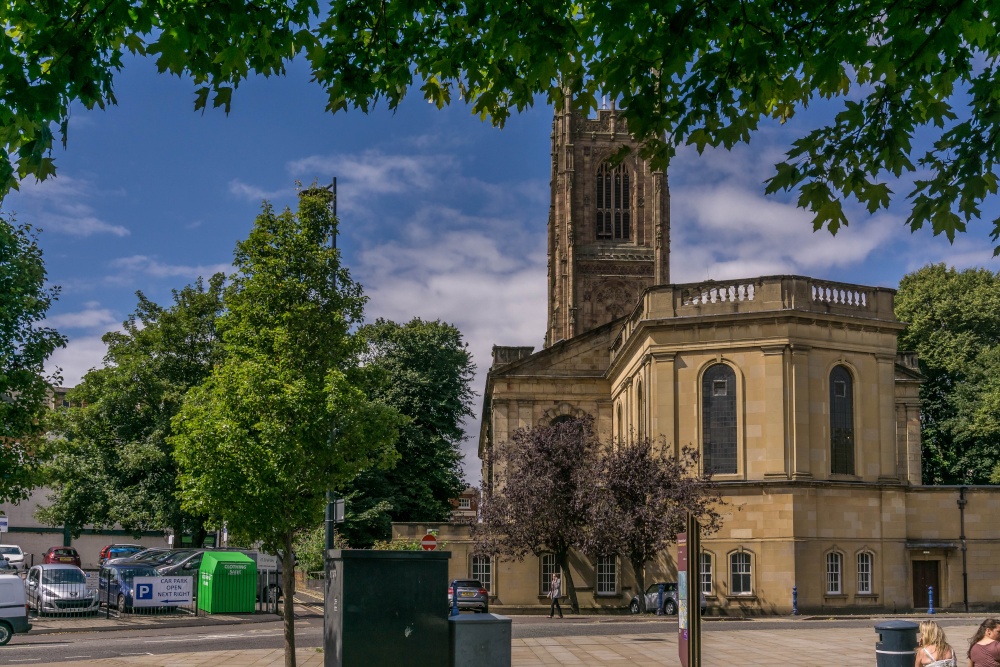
(251,192)
(79,356)
(90,318)
(129,267)
(59,205)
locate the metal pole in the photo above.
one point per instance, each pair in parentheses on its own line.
(962,502)
(930,599)
(659,601)
(454,597)
(795,600)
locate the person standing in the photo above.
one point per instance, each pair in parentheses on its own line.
(984,648)
(555,592)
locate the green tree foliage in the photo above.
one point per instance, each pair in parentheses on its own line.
(113,463)
(687,72)
(642,496)
(424,370)
(24,346)
(953,324)
(283,416)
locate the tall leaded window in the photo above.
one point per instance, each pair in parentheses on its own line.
(841,421)
(719,419)
(705,567)
(834,573)
(865,573)
(739,573)
(482,570)
(549,566)
(614,215)
(640,399)
(607,575)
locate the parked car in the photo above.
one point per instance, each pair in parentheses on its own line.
(64,555)
(121,551)
(115,584)
(151,556)
(59,589)
(471,595)
(13,607)
(106,551)
(652,595)
(183,563)
(6,567)
(13,554)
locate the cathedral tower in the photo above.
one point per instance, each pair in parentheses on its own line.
(609,226)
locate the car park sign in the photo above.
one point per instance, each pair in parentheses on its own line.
(3,523)
(163,591)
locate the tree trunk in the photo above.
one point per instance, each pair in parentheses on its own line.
(288,591)
(639,568)
(567,577)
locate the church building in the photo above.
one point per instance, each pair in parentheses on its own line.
(790,387)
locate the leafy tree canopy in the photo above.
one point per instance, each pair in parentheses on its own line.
(113,464)
(953,324)
(686,72)
(642,495)
(24,346)
(283,417)
(424,370)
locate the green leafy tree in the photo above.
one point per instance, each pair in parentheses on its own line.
(540,497)
(953,324)
(642,497)
(24,346)
(686,72)
(424,370)
(283,417)
(113,463)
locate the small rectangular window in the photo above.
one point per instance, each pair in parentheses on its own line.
(607,575)
(839,388)
(833,571)
(864,573)
(464,503)
(720,388)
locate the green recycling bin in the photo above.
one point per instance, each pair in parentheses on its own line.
(227,583)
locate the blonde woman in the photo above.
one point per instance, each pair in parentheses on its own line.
(933,650)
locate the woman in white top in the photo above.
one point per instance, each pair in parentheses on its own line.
(933,649)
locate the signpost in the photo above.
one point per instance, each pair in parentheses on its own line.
(689,595)
(429,542)
(163,591)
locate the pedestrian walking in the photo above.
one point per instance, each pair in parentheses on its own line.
(555,592)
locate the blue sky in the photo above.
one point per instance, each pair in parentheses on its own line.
(442,215)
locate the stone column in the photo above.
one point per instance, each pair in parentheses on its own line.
(775,415)
(799,413)
(886,385)
(663,398)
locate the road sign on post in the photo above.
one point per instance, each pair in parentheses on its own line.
(429,542)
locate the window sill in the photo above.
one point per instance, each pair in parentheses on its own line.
(835,596)
(607,595)
(866,596)
(749,597)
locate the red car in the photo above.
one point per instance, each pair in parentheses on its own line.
(64,555)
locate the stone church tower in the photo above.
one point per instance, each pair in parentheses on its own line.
(609,226)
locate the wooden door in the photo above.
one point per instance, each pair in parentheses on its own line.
(925,573)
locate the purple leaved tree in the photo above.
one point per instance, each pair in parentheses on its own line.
(642,493)
(538,500)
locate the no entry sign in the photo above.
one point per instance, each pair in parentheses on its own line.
(429,543)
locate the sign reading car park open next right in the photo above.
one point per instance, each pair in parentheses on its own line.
(163,591)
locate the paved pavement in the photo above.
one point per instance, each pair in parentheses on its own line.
(792,642)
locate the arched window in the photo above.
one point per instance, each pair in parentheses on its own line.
(834,573)
(641,400)
(740,573)
(706,573)
(865,568)
(621,423)
(718,390)
(614,201)
(841,421)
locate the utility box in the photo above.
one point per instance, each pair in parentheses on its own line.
(386,608)
(479,640)
(897,645)
(227,583)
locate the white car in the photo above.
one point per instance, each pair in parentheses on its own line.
(60,589)
(14,555)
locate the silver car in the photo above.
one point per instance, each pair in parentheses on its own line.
(471,595)
(652,596)
(59,589)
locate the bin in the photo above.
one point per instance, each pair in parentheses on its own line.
(227,583)
(386,608)
(479,640)
(897,645)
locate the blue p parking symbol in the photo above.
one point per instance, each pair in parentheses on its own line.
(144,592)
